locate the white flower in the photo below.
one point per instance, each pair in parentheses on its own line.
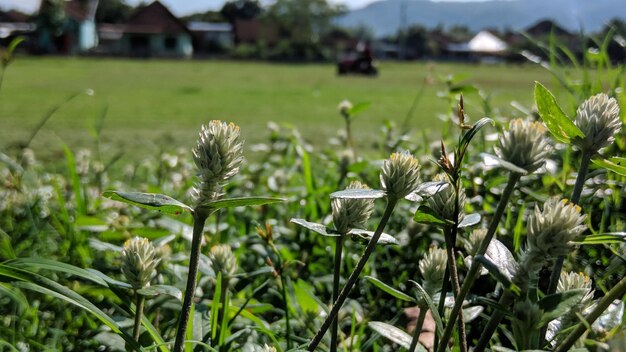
(599,119)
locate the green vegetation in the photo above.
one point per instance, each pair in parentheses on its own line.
(148,102)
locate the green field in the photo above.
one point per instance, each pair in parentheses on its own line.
(148,102)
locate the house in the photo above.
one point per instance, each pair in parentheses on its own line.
(210,37)
(14,24)
(484,46)
(153,31)
(71,32)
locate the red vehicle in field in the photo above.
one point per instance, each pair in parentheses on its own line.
(360,62)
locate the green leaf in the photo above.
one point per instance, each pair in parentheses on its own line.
(561,127)
(240,202)
(358,108)
(317,228)
(15,295)
(558,304)
(470,220)
(423,298)
(77,187)
(426,190)
(603,238)
(505,164)
(162,290)
(6,249)
(498,274)
(365,236)
(358,194)
(500,255)
(616,165)
(392,333)
(390,290)
(471,133)
(425,215)
(304,296)
(152,201)
(53,265)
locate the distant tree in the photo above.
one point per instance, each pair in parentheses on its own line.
(616,49)
(301,24)
(209,16)
(113,11)
(241,9)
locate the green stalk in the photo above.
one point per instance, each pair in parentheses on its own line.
(354,276)
(615,293)
(418,328)
(506,299)
(222,312)
(334,331)
(578,189)
(138,314)
(199,218)
(286,303)
(475,267)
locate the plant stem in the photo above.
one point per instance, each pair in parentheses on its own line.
(578,189)
(286,304)
(615,293)
(506,299)
(349,137)
(222,311)
(140,301)
(334,330)
(418,328)
(354,276)
(199,218)
(475,267)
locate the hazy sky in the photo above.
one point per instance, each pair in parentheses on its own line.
(178,7)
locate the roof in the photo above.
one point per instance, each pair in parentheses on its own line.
(13,16)
(546,27)
(197,26)
(155,18)
(486,42)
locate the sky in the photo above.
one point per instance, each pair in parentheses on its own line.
(178,7)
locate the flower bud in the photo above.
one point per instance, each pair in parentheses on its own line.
(351,213)
(139,261)
(525,145)
(223,260)
(344,108)
(400,175)
(443,202)
(218,156)
(473,242)
(598,118)
(550,231)
(267,348)
(575,281)
(433,269)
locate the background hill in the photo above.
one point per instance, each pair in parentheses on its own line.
(385,17)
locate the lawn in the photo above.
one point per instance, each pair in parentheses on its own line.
(151,102)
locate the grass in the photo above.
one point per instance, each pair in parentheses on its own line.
(170,99)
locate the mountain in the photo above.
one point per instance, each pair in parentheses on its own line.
(385,17)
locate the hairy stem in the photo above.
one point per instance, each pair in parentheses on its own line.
(475,267)
(334,330)
(199,218)
(286,307)
(615,293)
(354,276)
(139,303)
(418,328)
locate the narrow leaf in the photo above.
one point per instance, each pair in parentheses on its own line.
(240,202)
(426,215)
(499,275)
(152,201)
(616,165)
(603,238)
(426,190)
(558,304)
(53,265)
(469,135)
(365,237)
(162,290)
(492,159)
(317,228)
(390,290)
(392,333)
(424,298)
(358,194)
(470,220)
(561,127)
(358,108)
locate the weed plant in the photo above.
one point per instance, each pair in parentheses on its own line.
(507,234)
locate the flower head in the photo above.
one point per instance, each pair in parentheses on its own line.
(351,213)
(223,260)
(443,202)
(551,230)
(525,145)
(344,108)
(218,156)
(400,174)
(139,261)
(433,269)
(575,281)
(267,348)
(598,118)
